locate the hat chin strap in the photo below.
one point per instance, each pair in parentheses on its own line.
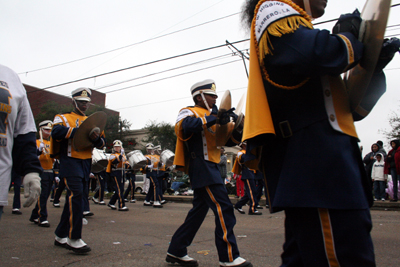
(76,105)
(307,7)
(204,99)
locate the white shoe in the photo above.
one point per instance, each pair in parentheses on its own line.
(102,203)
(239,261)
(88,213)
(95,200)
(383,199)
(133,201)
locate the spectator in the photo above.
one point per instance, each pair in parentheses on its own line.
(369,159)
(392,166)
(378,177)
(222,164)
(17,139)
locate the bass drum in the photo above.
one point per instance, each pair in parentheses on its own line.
(167,158)
(99,160)
(136,159)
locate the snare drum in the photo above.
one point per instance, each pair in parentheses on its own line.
(99,160)
(136,159)
(167,157)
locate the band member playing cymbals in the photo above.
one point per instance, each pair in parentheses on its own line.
(198,155)
(116,169)
(299,121)
(75,169)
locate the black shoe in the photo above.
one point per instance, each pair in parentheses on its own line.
(255,213)
(16,211)
(87,213)
(82,250)
(240,210)
(36,221)
(244,264)
(57,205)
(181,260)
(112,206)
(259,207)
(59,244)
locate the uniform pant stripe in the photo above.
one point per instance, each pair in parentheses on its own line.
(154,188)
(328,238)
(119,192)
(71,223)
(223,226)
(132,189)
(253,203)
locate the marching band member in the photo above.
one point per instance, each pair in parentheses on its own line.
(116,169)
(151,174)
(198,155)
(98,197)
(161,175)
(39,213)
(248,177)
(298,109)
(131,177)
(74,170)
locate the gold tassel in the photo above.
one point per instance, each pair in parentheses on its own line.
(279,28)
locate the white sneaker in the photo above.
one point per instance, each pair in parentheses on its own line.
(133,201)
(383,199)
(95,200)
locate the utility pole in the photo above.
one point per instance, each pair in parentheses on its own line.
(240,53)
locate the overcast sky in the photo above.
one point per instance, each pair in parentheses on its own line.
(40,34)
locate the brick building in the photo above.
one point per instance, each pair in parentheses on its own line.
(38,97)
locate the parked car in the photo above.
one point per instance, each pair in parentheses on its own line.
(138,183)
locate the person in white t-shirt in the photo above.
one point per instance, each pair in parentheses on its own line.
(17,139)
(378,177)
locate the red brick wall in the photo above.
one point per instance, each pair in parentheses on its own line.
(38,97)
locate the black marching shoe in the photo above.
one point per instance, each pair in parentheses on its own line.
(256,212)
(240,210)
(182,261)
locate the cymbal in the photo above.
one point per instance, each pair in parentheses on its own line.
(81,139)
(223,132)
(374,15)
(238,111)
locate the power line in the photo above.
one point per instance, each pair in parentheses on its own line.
(155,73)
(181,74)
(140,42)
(141,65)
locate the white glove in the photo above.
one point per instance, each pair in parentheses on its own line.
(122,151)
(31,188)
(57,179)
(41,146)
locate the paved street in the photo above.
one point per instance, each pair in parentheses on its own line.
(140,237)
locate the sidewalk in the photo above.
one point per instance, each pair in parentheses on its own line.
(378,205)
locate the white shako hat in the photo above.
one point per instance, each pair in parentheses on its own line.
(47,124)
(149,146)
(207,87)
(82,93)
(157,147)
(117,143)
